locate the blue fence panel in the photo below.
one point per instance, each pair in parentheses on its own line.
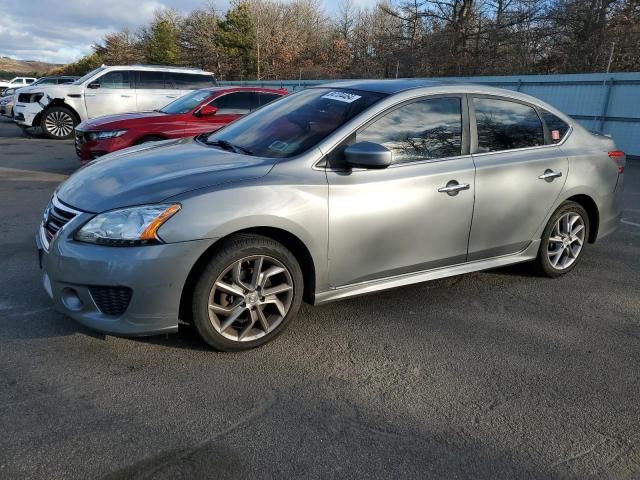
(608,103)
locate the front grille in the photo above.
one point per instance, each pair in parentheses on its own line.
(56,216)
(24,98)
(111,300)
(79,140)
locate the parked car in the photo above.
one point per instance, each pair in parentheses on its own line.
(6,106)
(198,112)
(16,82)
(335,191)
(57,109)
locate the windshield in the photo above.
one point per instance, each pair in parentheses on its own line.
(295,123)
(86,77)
(187,102)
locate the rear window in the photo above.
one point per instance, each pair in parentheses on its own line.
(239,103)
(558,128)
(264,98)
(188,81)
(150,80)
(506,125)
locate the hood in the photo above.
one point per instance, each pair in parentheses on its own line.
(120,120)
(153,172)
(54,91)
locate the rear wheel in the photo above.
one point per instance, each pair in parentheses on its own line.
(563,240)
(250,290)
(58,123)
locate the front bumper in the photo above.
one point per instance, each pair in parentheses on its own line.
(154,274)
(25,113)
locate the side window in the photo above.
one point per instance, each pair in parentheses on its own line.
(150,80)
(422,130)
(557,128)
(115,79)
(505,125)
(30,80)
(233,103)
(264,98)
(188,81)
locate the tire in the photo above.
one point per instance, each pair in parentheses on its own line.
(246,313)
(149,138)
(58,123)
(561,251)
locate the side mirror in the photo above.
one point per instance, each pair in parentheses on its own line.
(368,155)
(207,111)
(94,85)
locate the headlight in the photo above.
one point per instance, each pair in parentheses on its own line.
(105,134)
(127,226)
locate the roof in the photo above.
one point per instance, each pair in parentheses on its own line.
(385,86)
(172,68)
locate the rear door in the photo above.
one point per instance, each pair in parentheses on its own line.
(113,95)
(401,219)
(519,175)
(151,90)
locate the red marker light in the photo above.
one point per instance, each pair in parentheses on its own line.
(619,157)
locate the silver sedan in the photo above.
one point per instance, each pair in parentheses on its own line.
(339,190)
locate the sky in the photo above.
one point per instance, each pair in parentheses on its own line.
(61,31)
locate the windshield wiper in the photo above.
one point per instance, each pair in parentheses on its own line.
(230,147)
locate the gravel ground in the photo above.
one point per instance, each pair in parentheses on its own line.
(499,374)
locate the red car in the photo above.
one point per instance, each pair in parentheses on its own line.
(197,112)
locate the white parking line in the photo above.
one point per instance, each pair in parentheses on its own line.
(630,223)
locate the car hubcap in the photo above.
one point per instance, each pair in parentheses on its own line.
(566,240)
(250,298)
(59,124)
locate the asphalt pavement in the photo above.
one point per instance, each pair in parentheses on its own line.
(500,374)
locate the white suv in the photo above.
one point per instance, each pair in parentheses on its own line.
(17,82)
(57,109)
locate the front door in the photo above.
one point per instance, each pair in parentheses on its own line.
(414,215)
(231,106)
(519,175)
(112,95)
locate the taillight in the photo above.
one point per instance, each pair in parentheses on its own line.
(618,156)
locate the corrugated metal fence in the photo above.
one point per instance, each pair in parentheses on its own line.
(608,103)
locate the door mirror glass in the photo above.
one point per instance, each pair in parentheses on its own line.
(94,85)
(207,111)
(368,155)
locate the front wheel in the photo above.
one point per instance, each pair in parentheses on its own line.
(58,123)
(250,290)
(563,240)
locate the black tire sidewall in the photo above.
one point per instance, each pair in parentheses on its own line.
(544,264)
(232,250)
(47,112)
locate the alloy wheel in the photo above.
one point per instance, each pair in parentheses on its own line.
(566,240)
(250,298)
(59,124)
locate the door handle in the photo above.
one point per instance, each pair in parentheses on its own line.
(125,96)
(171,96)
(549,175)
(453,187)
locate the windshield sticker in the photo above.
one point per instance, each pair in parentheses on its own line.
(342,97)
(279,146)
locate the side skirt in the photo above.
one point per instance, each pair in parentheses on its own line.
(347,291)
